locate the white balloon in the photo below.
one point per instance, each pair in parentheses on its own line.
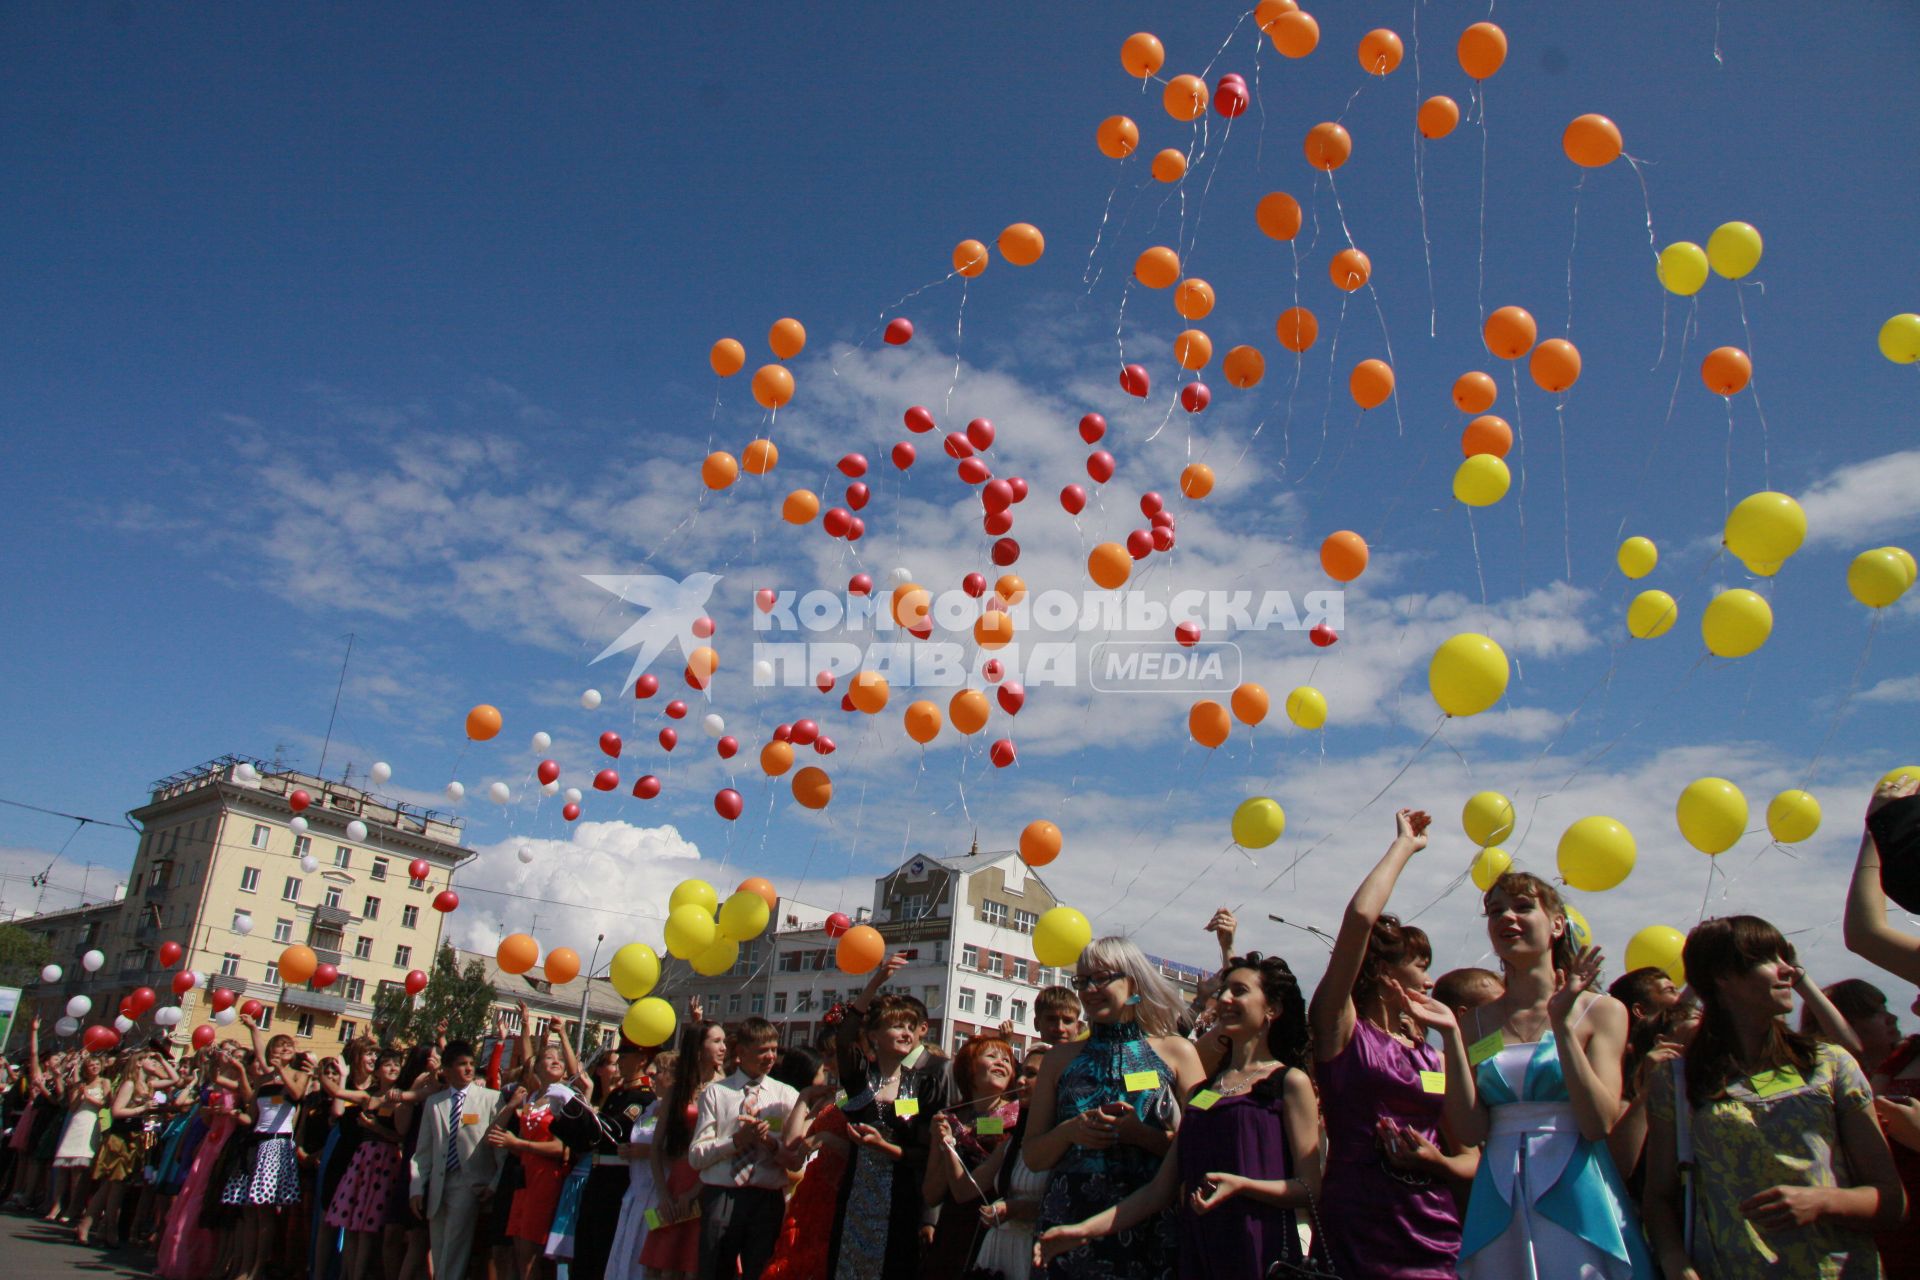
(590,699)
(79,1007)
(541,741)
(901,575)
(357,831)
(498,793)
(550,788)
(245,772)
(242,924)
(226,1016)
(714,726)
(122,1023)
(309,864)
(762,674)
(573,795)
(456,792)
(67,1026)
(52,973)
(297,822)
(380,772)
(167,1016)
(526,853)
(91,962)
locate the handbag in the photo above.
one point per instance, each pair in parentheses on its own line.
(1314,1265)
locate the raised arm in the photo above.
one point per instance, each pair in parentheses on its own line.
(1867,933)
(1592,1069)
(1461,1115)
(1833,1024)
(1331,1009)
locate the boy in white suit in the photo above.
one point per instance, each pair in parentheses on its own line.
(453,1167)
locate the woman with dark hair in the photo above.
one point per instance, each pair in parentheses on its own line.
(1248,1151)
(405,1242)
(1373,1068)
(673,1247)
(359,1203)
(1007,1251)
(1791,1173)
(964,1135)
(1540,1090)
(630,1230)
(621,1095)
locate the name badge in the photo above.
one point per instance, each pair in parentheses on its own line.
(906,1108)
(1203,1100)
(653,1219)
(989,1126)
(1485,1047)
(775,1123)
(471,1117)
(1433,1081)
(1139,1080)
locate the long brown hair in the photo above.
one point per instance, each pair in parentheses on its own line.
(1389,943)
(675,1132)
(1524,884)
(1716,950)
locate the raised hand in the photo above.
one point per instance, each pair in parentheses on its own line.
(1583,977)
(1889,791)
(1422,1007)
(1410,825)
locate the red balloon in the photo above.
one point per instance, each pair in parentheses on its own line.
(903,455)
(99,1039)
(974,584)
(727,803)
(838,923)
(419,869)
(1187,634)
(855,527)
(1001,753)
(609,743)
(1140,544)
(1019,488)
(992,670)
(727,747)
(1194,397)
(676,710)
(980,434)
(1162,537)
(783,733)
(1151,504)
(646,787)
(570,811)
(702,627)
(253,1009)
(1013,696)
(325,976)
(1092,427)
(997,496)
(823,745)
(1230,96)
(853,466)
(1074,499)
(170,953)
(857,494)
(919,419)
(805,731)
(606,780)
(836,522)
(669,739)
(142,999)
(824,682)
(921,632)
(203,1035)
(1161,519)
(764,597)
(1005,552)
(126,1007)
(221,999)
(1100,466)
(416,982)
(182,982)
(1135,382)
(1322,635)
(973,471)
(997,523)
(299,800)
(649,684)
(860,584)
(548,771)
(448,900)
(958,446)
(899,332)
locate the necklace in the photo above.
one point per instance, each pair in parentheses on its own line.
(1242,1079)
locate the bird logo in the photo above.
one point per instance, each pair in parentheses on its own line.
(671,610)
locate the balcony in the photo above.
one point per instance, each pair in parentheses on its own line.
(155,892)
(327,955)
(307,998)
(334,918)
(232,982)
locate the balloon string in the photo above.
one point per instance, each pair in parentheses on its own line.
(1520,445)
(1326,411)
(1566,502)
(1480,94)
(1088,276)
(1646,203)
(1579,188)
(1673,398)
(1846,703)
(1713,865)
(1181,892)
(959,331)
(1753,385)
(1474,533)
(1726,482)
(1420,180)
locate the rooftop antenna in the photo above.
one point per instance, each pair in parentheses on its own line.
(322,770)
(974,852)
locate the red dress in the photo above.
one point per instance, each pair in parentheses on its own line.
(534,1203)
(676,1246)
(1900,1246)
(805,1243)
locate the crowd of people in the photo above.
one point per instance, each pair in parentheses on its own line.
(1518,1122)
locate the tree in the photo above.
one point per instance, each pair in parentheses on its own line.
(460,998)
(22,956)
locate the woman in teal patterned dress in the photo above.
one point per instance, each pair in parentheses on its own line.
(1103,1112)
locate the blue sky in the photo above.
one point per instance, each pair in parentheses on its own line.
(396,324)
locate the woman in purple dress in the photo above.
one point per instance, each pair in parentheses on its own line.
(1247,1154)
(1389,1210)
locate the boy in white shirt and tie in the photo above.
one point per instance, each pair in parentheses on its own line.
(738,1149)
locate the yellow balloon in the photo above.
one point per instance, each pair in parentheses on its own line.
(1658,946)
(1577,926)
(717,957)
(649,1022)
(1792,816)
(1763,568)
(690,930)
(1712,814)
(1907,562)
(1683,268)
(744,916)
(1596,854)
(1765,528)
(1877,578)
(1487,818)
(1060,936)
(1651,614)
(1307,707)
(1637,557)
(1481,480)
(634,970)
(697,892)
(1258,822)
(1734,249)
(1905,773)
(1488,866)
(1468,674)
(1736,623)
(1900,338)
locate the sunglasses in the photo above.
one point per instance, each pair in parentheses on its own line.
(1093,981)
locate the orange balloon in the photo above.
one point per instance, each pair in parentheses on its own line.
(923,722)
(1244,367)
(788,338)
(1117,137)
(1474,392)
(1483,47)
(297,964)
(1328,145)
(562,966)
(1192,349)
(1726,371)
(1109,565)
(762,886)
(719,470)
(968,711)
(1371,383)
(1555,365)
(1157,268)
(1296,328)
(1267,11)
(776,758)
(860,950)
(1185,97)
(701,664)
(1022,244)
(1381,51)
(728,357)
(1208,724)
(868,691)
(1196,480)
(760,457)
(1010,587)
(969,258)
(993,629)
(1295,35)
(800,507)
(1193,298)
(517,953)
(1344,555)
(911,603)
(812,787)
(1039,843)
(1142,54)
(1510,332)
(1278,215)
(1591,141)
(1170,165)
(1487,434)
(1438,116)
(772,385)
(483,722)
(1249,703)
(1350,270)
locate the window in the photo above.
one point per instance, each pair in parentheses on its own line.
(266,1017)
(249,879)
(402,956)
(363,947)
(409,917)
(733,1003)
(347,1028)
(290,891)
(759,1002)
(930,997)
(816,961)
(913,906)
(790,962)
(356,989)
(372,911)
(1019,1013)
(993,1006)
(230,964)
(970,956)
(379,868)
(158,880)
(259,835)
(1023,921)
(966,999)
(305,1025)
(331,897)
(273,974)
(804,1002)
(779,1002)
(940,951)
(283,931)
(995,913)
(302,846)
(342,855)
(1019,969)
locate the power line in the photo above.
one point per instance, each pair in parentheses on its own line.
(70,817)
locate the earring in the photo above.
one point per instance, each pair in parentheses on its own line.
(1134,998)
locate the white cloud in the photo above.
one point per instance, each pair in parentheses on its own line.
(1857,503)
(1894,689)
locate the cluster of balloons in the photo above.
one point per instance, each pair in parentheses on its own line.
(1488,818)
(1733,251)
(519,952)
(707,933)
(772,388)
(1210,724)
(1879,577)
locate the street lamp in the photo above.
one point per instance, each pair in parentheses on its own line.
(586,993)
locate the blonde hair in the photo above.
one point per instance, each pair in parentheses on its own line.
(1160,1007)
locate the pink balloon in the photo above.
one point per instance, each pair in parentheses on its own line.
(992,670)
(764,598)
